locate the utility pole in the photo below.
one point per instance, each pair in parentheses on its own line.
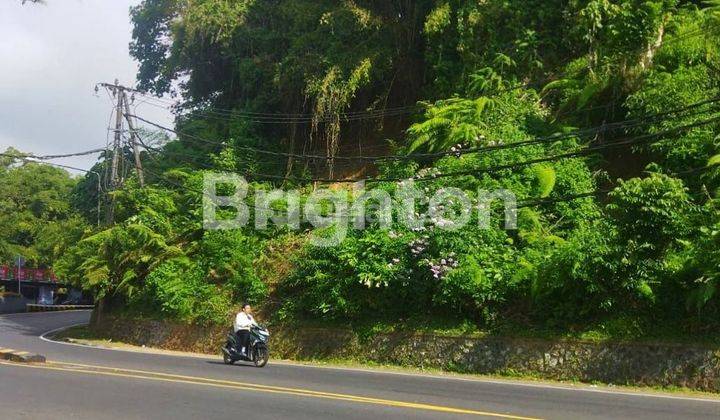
(117,142)
(117,150)
(19,262)
(122,112)
(134,141)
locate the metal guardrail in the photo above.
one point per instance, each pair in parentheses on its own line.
(31,307)
(32,282)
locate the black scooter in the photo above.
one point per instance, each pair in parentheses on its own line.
(257,352)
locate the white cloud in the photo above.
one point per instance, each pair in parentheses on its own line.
(50,59)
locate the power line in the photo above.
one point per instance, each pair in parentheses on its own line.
(692,34)
(50,157)
(581,152)
(418,156)
(107,143)
(529,202)
(198,191)
(161,102)
(289,118)
(585,151)
(526,203)
(281,116)
(31,159)
(229,114)
(85,153)
(254,116)
(270,118)
(572,197)
(133,143)
(117,165)
(37,159)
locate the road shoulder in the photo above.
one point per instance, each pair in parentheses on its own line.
(79,335)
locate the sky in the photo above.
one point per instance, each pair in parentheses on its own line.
(51,57)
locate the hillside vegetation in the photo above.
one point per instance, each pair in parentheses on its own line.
(613,102)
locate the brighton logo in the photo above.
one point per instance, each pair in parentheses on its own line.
(331,213)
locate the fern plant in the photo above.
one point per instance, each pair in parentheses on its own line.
(546,178)
(450,122)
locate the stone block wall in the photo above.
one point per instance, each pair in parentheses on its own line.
(646,364)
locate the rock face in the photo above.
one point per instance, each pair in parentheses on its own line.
(693,367)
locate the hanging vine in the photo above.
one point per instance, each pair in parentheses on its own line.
(333,96)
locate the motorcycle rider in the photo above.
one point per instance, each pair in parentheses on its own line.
(243,321)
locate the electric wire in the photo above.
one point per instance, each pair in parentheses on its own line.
(631,123)
(582,151)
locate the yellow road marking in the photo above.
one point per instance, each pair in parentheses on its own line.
(165,377)
(209,380)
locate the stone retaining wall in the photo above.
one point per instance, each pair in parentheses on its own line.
(693,367)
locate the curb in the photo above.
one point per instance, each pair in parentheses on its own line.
(20,356)
(31,307)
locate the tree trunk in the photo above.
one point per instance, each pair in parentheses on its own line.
(96,316)
(647,58)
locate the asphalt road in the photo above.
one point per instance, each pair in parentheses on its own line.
(91,383)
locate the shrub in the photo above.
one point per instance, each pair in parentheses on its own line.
(617,264)
(177,289)
(226,257)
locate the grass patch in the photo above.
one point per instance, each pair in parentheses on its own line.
(79,333)
(617,329)
(620,328)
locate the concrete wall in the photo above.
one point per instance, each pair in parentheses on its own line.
(12,304)
(657,364)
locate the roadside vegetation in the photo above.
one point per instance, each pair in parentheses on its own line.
(39,219)
(621,242)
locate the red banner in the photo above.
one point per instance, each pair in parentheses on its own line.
(26,274)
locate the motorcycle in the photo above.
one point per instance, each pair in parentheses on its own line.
(257,351)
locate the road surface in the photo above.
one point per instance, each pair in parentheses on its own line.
(92,383)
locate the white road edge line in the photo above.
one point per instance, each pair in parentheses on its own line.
(11,315)
(582,388)
(44,338)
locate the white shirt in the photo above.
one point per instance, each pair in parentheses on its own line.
(243,321)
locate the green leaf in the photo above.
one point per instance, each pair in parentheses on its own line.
(546,178)
(715,160)
(587,93)
(558,84)
(646,291)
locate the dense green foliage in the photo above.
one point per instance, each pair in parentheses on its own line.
(336,78)
(37,220)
